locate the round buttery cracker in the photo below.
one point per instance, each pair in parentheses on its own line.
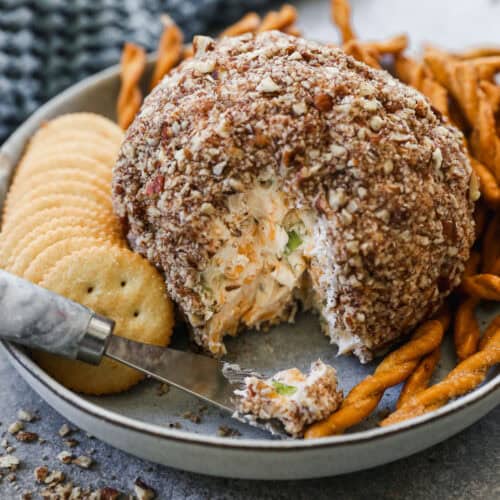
(51,162)
(49,257)
(56,141)
(18,263)
(70,187)
(121,285)
(91,217)
(82,121)
(19,193)
(99,151)
(13,248)
(51,201)
(57,174)
(16,237)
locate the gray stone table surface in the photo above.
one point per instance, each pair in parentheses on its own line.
(467,466)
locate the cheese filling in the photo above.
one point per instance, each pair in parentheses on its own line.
(270,256)
(260,265)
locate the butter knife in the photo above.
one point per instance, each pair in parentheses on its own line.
(38,318)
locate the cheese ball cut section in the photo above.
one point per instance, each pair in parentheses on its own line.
(270,171)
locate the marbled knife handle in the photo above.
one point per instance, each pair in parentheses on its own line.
(35,317)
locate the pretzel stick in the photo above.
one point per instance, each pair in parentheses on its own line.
(463,378)
(466,331)
(394,369)
(483,286)
(491,244)
(169,51)
(247,24)
(420,378)
(129,101)
(341,16)
(280,20)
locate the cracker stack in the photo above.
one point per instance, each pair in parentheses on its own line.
(60,232)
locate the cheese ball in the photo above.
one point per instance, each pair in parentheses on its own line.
(270,171)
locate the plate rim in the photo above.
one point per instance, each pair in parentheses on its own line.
(489,389)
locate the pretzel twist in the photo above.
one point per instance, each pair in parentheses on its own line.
(280,20)
(406,69)
(129,101)
(437,94)
(486,66)
(491,245)
(362,53)
(394,369)
(169,51)
(292,31)
(489,332)
(341,17)
(393,45)
(483,286)
(247,24)
(479,52)
(420,378)
(484,141)
(466,331)
(492,92)
(472,265)
(437,63)
(463,378)
(416,74)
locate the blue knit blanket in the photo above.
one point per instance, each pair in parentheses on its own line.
(46,45)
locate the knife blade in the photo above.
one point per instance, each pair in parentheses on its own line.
(199,375)
(209,379)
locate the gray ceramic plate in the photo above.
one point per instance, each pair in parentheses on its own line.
(144,423)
